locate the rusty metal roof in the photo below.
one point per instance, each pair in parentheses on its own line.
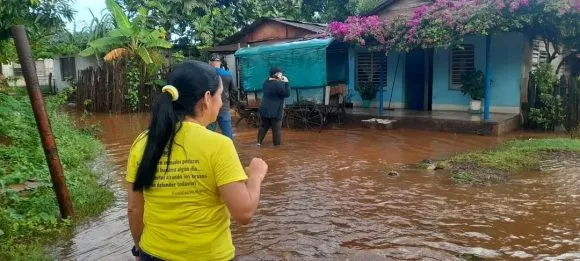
(315,28)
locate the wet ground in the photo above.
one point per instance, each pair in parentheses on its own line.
(328,197)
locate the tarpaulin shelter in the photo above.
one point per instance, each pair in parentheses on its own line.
(309,64)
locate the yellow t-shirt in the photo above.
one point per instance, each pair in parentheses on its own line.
(184,217)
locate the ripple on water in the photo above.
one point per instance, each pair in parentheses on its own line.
(327,198)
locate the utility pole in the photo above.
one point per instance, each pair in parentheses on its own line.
(42,121)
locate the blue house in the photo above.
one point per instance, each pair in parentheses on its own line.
(430,80)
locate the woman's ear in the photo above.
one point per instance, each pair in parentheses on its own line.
(207,99)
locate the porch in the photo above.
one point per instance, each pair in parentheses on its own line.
(446,121)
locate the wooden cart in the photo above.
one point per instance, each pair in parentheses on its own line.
(311,109)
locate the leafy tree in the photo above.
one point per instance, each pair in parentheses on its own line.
(65,42)
(213,27)
(337,10)
(36,15)
(7,51)
(206,23)
(130,38)
(176,16)
(134,42)
(365,6)
(549,112)
(42,19)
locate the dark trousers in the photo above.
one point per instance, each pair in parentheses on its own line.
(270,123)
(146,257)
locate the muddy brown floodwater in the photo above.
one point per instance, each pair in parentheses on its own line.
(328,197)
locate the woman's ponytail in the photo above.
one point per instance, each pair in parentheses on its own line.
(189,81)
(159,137)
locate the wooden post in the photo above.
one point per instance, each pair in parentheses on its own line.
(42,121)
(50,86)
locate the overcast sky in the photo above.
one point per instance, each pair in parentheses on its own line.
(83,15)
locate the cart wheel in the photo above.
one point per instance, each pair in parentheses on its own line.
(309,118)
(238,121)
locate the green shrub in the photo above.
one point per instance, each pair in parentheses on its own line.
(368,91)
(549,112)
(27,218)
(473,84)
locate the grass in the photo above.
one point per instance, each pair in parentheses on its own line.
(493,166)
(30,219)
(519,155)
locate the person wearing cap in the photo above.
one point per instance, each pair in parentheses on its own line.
(224,119)
(275,90)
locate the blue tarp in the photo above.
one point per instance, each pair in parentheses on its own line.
(303,62)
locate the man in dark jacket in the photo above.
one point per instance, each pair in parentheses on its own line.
(224,119)
(274,90)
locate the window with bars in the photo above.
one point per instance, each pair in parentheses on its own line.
(368,68)
(462,60)
(67,68)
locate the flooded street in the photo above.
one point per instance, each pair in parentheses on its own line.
(328,197)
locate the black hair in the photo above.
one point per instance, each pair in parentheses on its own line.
(214,57)
(274,71)
(192,79)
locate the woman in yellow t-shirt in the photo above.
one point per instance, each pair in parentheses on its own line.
(185,180)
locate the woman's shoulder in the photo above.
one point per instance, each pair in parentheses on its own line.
(141,138)
(205,137)
(139,143)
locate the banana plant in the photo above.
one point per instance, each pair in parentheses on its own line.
(130,38)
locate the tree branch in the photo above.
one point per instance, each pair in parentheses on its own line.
(564,61)
(551,56)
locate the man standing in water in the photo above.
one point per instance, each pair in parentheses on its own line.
(224,119)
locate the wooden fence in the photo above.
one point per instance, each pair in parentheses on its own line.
(568,88)
(572,101)
(104,89)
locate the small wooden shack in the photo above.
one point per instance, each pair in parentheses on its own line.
(264,31)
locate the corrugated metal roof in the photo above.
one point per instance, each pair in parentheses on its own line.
(315,28)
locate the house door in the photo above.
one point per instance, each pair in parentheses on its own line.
(419,80)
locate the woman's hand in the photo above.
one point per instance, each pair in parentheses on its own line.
(284,79)
(242,197)
(257,168)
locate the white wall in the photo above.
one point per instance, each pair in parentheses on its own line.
(539,56)
(81,63)
(43,68)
